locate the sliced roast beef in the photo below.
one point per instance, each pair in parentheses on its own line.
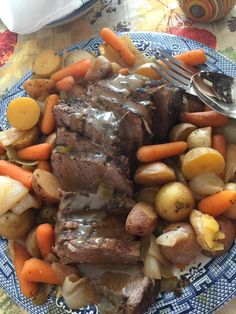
(85,171)
(97,125)
(167,100)
(101,125)
(96,237)
(104,199)
(125,288)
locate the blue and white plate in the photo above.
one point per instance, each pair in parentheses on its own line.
(212,282)
(87,5)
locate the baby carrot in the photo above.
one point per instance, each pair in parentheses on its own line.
(118,45)
(29,289)
(66,84)
(193,57)
(218,143)
(124,71)
(204,118)
(48,120)
(45,238)
(36,152)
(36,270)
(77,69)
(44,165)
(217,203)
(9,169)
(151,153)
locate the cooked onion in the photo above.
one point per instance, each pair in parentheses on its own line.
(12,156)
(11,192)
(171,237)
(78,292)
(206,184)
(8,137)
(155,251)
(152,268)
(42,295)
(63,271)
(26,202)
(207,230)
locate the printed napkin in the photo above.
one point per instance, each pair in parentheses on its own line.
(23,17)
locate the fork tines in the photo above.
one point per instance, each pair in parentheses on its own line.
(173,70)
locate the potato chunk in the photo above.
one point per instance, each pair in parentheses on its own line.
(201,160)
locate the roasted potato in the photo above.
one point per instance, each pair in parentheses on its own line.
(141,220)
(32,244)
(174,201)
(39,88)
(77,55)
(46,63)
(29,138)
(228,228)
(185,250)
(100,69)
(201,160)
(200,137)
(153,174)
(181,131)
(146,195)
(15,227)
(46,186)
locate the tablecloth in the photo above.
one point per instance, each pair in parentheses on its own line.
(17,52)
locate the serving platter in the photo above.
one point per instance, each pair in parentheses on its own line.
(212,282)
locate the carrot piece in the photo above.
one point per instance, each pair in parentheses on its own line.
(36,152)
(44,165)
(218,142)
(124,71)
(66,84)
(77,69)
(9,169)
(217,203)
(45,238)
(48,120)
(151,153)
(205,118)
(29,289)
(118,45)
(193,57)
(2,149)
(36,270)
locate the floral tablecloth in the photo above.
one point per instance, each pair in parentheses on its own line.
(17,52)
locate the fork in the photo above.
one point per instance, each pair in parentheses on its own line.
(193,81)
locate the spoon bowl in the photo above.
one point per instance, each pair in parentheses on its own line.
(219,90)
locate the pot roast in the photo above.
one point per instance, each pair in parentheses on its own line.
(94,159)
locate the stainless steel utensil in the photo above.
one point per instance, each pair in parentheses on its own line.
(217,90)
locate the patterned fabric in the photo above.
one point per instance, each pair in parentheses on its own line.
(121,15)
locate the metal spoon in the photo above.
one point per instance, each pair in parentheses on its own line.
(218,89)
